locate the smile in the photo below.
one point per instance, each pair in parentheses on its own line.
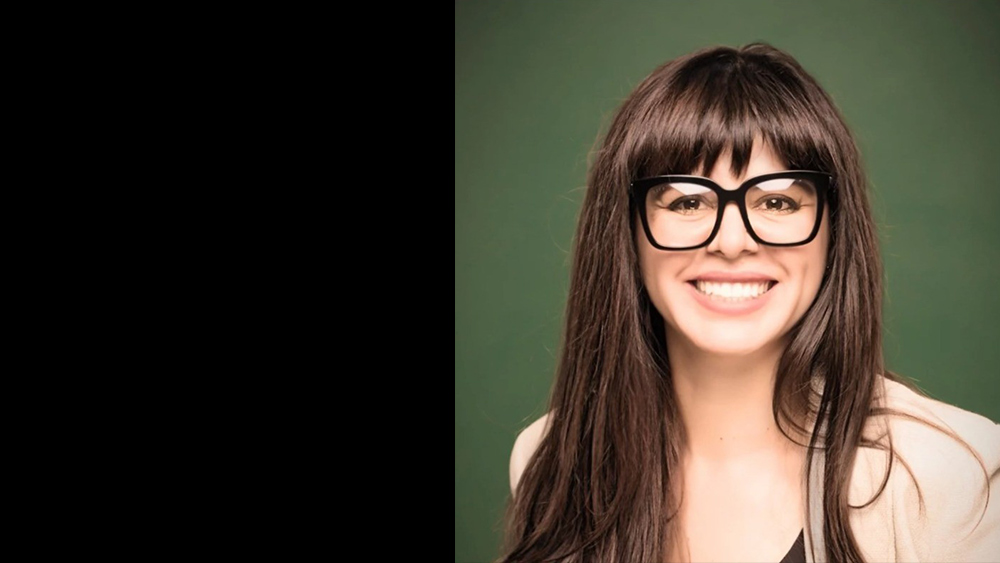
(732,292)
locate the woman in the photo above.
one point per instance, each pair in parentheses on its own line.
(721,393)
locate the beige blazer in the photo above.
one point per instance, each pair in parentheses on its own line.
(954,522)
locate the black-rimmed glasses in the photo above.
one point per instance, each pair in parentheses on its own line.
(681,212)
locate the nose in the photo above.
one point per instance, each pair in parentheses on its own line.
(732,240)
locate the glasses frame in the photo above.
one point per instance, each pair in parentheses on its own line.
(639,188)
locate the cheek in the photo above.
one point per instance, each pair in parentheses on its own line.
(647,269)
(649,262)
(660,273)
(816,261)
(647,257)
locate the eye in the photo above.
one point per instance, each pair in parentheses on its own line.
(682,199)
(687,204)
(777,204)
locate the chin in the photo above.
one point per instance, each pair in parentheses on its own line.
(727,337)
(732,344)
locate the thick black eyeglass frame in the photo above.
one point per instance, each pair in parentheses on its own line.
(639,188)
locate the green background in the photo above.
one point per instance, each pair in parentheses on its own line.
(536,82)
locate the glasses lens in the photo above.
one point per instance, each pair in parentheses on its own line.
(681,214)
(783,210)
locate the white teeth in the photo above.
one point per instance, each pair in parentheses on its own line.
(733,291)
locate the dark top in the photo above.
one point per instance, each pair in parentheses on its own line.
(797,554)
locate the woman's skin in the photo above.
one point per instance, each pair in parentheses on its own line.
(742,479)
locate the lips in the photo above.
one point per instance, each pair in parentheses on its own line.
(733,291)
(727,292)
(733,277)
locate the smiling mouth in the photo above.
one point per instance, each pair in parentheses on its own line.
(732,292)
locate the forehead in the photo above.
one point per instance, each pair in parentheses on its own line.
(762,160)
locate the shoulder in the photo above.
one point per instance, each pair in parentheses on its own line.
(524,447)
(933,449)
(942,497)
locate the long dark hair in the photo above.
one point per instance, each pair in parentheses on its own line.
(601,484)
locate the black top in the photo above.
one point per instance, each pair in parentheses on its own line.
(797,554)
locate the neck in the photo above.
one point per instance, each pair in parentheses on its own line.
(725,402)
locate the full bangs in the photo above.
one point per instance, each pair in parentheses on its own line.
(726,101)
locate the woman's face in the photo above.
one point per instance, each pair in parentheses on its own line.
(734,264)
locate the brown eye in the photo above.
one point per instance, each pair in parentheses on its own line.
(689,204)
(776,204)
